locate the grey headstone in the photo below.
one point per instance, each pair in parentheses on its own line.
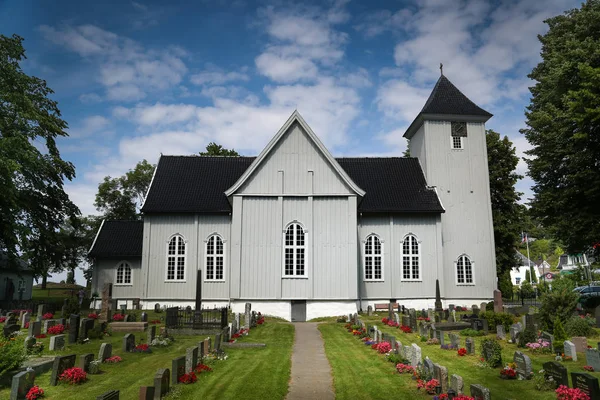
(86,325)
(73,329)
(570,350)
(41,310)
(218,338)
(191,359)
(408,353)
(161,383)
(35,328)
(21,383)
(439,335)
(441,374)
(105,351)
(470,345)
(178,367)
(454,340)
(592,358)
(500,333)
(475,310)
(548,338)
(128,342)
(150,333)
(415,355)
(370,310)
(110,395)
(247,315)
(523,365)
(483,306)
(61,363)
(428,369)
(57,343)
(49,323)
(85,360)
(25,319)
(480,392)
(456,383)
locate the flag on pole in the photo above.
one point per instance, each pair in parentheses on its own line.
(523,237)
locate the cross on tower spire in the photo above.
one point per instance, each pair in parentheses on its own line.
(441,69)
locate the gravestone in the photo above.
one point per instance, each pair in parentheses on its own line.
(392,340)
(144,317)
(408,353)
(146,393)
(247,315)
(49,323)
(157,309)
(483,306)
(150,333)
(415,355)
(85,360)
(61,321)
(57,342)
(548,337)
(41,310)
(580,343)
(110,395)
(218,338)
(498,306)
(586,383)
(475,310)
(370,310)
(191,359)
(514,331)
(73,328)
(570,350)
(557,371)
(454,340)
(523,365)
(135,303)
(207,345)
(9,329)
(439,335)
(480,392)
(529,321)
(500,334)
(452,316)
(238,321)
(105,351)
(25,319)
(470,345)
(485,325)
(161,383)
(412,316)
(87,324)
(428,369)
(592,358)
(405,320)
(477,324)
(128,343)
(105,310)
(441,374)
(35,328)
(178,368)
(21,383)
(61,363)
(597,314)
(456,383)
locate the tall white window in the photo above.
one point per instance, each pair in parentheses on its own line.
(123,274)
(176,258)
(464,270)
(411,259)
(215,258)
(373,258)
(294,251)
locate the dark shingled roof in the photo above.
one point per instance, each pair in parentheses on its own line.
(197,184)
(119,238)
(447,99)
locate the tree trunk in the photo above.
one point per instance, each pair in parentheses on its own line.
(44,280)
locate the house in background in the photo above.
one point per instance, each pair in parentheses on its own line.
(568,262)
(302,234)
(16,284)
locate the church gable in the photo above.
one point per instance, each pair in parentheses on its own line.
(295,162)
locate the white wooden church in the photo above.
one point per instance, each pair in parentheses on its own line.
(302,234)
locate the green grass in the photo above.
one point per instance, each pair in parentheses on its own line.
(470,372)
(260,373)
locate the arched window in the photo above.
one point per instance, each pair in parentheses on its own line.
(123,274)
(373,258)
(464,270)
(294,251)
(176,258)
(411,259)
(215,258)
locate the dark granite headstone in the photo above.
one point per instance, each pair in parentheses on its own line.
(477,324)
(587,383)
(557,371)
(480,392)
(178,368)
(157,308)
(128,342)
(146,393)
(35,328)
(162,378)
(10,329)
(144,317)
(86,325)
(105,351)
(428,369)
(470,345)
(150,333)
(85,360)
(21,383)
(73,328)
(61,363)
(218,338)
(110,395)
(57,343)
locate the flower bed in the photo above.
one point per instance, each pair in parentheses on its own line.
(113,360)
(462,352)
(118,317)
(56,329)
(541,346)
(93,316)
(48,316)
(429,386)
(405,368)
(73,376)
(202,368)
(35,393)
(142,348)
(188,378)
(588,368)
(384,347)
(508,373)
(41,336)
(406,329)
(565,393)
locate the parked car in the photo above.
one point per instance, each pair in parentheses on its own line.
(589,291)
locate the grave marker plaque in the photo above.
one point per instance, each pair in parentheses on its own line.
(85,360)
(128,342)
(21,383)
(161,383)
(73,328)
(500,333)
(556,371)
(150,333)
(428,368)
(580,343)
(191,359)
(60,364)
(110,395)
(592,358)
(415,355)
(57,342)
(441,374)
(105,351)
(570,350)
(178,368)
(470,345)
(456,383)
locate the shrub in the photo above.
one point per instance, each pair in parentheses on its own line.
(493,319)
(471,332)
(577,326)
(489,306)
(493,359)
(561,302)
(393,358)
(12,354)
(560,335)
(529,335)
(56,329)
(73,376)
(72,307)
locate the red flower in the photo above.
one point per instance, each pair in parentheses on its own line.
(202,368)
(588,368)
(118,317)
(2,320)
(41,336)
(188,378)
(462,352)
(565,393)
(155,321)
(406,329)
(384,347)
(113,360)
(384,320)
(73,376)
(56,329)
(26,325)
(93,315)
(48,316)
(34,393)
(508,373)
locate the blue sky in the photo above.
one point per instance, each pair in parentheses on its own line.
(134,79)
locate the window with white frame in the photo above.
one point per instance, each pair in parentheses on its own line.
(176,258)
(123,274)
(215,258)
(294,251)
(457,142)
(464,270)
(373,258)
(411,259)
(459,132)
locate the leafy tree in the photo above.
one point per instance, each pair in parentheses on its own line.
(533,274)
(527,276)
(564,128)
(560,302)
(506,211)
(213,149)
(527,290)
(121,198)
(33,203)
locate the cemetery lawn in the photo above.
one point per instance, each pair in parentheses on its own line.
(355,365)
(253,373)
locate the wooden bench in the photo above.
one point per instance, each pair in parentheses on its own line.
(384,306)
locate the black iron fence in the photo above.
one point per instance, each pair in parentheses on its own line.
(207,318)
(518,300)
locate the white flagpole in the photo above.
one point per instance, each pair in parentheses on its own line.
(528,259)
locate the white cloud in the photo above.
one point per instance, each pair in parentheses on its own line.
(90,98)
(286,69)
(398,99)
(215,76)
(89,126)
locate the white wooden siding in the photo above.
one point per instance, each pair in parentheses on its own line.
(294,166)
(105,271)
